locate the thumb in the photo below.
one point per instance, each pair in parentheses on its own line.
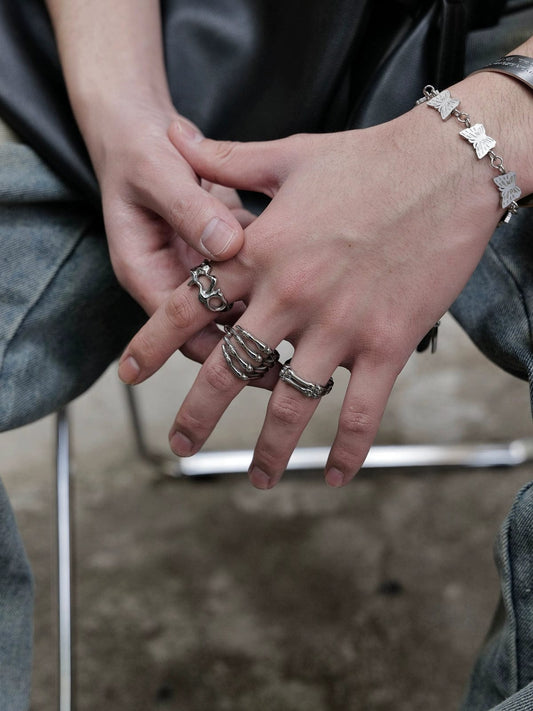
(255,166)
(203,221)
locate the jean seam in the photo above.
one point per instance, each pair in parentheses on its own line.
(520,293)
(39,295)
(509,593)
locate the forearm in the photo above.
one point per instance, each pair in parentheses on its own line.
(112,59)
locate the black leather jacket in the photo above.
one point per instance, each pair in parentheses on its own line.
(250,69)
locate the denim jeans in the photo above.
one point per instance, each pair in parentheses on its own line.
(502,679)
(16,614)
(64,318)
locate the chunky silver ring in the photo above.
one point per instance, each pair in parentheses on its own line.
(308,389)
(247,357)
(208,294)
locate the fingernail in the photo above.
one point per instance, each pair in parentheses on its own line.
(334,478)
(128,370)
(188,131)
(217,236)
(181,445)
(259,479)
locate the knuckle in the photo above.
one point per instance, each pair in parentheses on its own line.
(179,312)
(290,293)
(355,422)
(386,345)
(194,426)
(144,348)
(219,378)
(269,461)
(285,411)
(224,150)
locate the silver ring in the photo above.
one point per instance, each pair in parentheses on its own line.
(308,389)
(247,357)
(208,294)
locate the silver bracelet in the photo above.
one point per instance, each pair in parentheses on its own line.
(447,106)
(515,65)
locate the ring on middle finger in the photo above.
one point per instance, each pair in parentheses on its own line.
(208,294)
(247,357)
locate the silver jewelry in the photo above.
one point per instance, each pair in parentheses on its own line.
(308,389)
(247,357)
(208,294)
(483,145)
(515,65)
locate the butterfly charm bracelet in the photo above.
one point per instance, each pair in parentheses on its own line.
(483,145)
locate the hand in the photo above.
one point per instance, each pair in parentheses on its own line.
(113,63)
(367,241)
(160,219)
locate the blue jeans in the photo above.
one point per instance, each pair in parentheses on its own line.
(502,679)
(64,318)
(16,614)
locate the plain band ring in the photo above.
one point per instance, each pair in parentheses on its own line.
(305,387)
(208,294)
(247,357)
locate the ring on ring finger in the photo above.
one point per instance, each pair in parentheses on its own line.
(305,387)
(208,294)
(247,357)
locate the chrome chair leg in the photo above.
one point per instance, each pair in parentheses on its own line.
(64,558)
(419,456)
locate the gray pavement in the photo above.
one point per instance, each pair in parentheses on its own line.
(210,595)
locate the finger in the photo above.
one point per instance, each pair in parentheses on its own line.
(174,323)
(232,200)
(169,186)
(366,397)
(288,413)
(214,389)
(200,346)
(257,166)
(196,216)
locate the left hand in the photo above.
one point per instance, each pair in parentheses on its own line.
(368,239)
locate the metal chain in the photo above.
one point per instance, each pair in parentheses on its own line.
(448,106)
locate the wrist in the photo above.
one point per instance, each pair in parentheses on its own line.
(503,106)
(500,105)
(112,60)
(112,128)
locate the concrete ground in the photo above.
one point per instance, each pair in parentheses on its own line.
(211,596)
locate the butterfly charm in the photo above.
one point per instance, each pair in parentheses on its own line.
(444,103)
(508,188)
(478,138)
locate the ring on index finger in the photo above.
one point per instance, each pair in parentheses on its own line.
(305,387)
(247,357)
(208,294)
